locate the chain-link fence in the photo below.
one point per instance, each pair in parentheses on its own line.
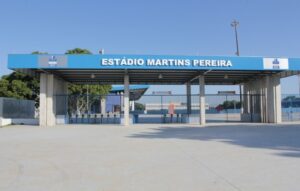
(160,109)
(175,108)
(290,107)
(223,108)
(17,108)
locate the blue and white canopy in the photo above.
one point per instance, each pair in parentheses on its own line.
(153,69)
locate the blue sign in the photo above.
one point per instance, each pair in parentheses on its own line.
(150,62)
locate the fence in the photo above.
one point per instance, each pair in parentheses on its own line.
(150,108)
(15,108)
(174,108)
(97,109)
(290,107)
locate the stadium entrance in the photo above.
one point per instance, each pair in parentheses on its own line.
(259,78)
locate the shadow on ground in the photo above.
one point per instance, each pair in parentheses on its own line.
(283,138)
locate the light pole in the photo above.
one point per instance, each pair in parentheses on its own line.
(234,24)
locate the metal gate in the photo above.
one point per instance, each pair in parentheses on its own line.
(108,109)
(160,109)
(90,109)
(218,108)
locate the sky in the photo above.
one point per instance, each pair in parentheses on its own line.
(172,27)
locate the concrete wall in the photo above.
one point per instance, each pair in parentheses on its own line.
(18,121)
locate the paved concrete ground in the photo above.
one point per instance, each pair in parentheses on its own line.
(150,157)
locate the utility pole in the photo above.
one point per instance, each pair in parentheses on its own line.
(234,24)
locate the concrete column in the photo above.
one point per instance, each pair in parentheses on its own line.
(273,99)
(50,86)
(132,105)
(103,106)
(202,99)
(188,98)
(265,105)
(246,100)
(66,93)
(241,98)
(263,101)
(122,101)
(43,102)
(50,100)
(278,108)
(126,99)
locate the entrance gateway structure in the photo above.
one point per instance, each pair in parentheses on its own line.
(256,75)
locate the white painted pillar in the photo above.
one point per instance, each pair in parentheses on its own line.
(278,100)
(241,98)
(47,100)
(126,99)
(50,100)
(122,100)
(263,100)
(43,102)
(202,99)
(132,105)
(246,100)
(66,94)
(103,106)
(188,98)
(273,99)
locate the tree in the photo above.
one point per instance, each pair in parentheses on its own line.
(232,104)
(78,96)
(289,98)
(139,106)
(20,86)
(38,52)
(78,92)
(4,84)
(78,51)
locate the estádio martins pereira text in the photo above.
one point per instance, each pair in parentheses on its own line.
(165,62)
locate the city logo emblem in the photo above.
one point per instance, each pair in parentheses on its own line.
(52,61)
(276,64)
